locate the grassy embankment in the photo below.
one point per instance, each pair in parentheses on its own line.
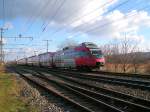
(10,100)
(141,68)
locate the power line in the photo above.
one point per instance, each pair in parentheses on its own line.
(55,14)
(39,13)
(104,25)
(119,5)
(16,44)
(78,18)
(48,23)
(30,18)
(1,43)
(54,4)
(3,12)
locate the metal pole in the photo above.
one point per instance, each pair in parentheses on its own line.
(1,43)
(47,44)
(1,46)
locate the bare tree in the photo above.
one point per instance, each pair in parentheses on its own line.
(115,52)
(111,51)
(121,52)
(128,57)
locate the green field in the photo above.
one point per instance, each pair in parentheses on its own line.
(10,100)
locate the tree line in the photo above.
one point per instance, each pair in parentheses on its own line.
(124,54)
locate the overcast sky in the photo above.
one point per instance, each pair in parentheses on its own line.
(98,21)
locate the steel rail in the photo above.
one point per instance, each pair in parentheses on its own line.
(99,104)
(137,106)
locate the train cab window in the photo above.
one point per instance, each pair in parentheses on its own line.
(97,53)
(90,45)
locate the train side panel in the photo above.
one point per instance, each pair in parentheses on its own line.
(46,59)
(22,61)
(30,61)
(35,60)
(64,59)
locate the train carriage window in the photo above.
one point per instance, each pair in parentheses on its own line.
(81,54)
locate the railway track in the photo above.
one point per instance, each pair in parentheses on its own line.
(136,84)
(132,83)
(129,75)
(124,75)
(56,93)
(73,95)
(136,105)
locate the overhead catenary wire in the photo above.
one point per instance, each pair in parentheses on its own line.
(31,17)
(50,19)
(104,25)
(47,17)
(12,7)
(109,11)
(78,18)
(119,5)
(39,13)
(115,8)
(54,15)
(54,4)
(122,3)
(47,3)
(3,12)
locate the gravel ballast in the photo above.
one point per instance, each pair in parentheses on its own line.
(39,99)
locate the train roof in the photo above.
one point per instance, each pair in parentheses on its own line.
(89,44)
(82,46)
(21,59)
(32,56)
(46,53)
(68,47)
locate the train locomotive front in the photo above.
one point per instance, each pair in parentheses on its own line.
(90,56)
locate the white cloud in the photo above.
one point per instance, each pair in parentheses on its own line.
(81,16)
(93,11)
(116,24)
(8,25)
(44,9)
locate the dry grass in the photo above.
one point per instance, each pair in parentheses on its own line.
(148,68)
(10,100)
(142,68)
(2,68)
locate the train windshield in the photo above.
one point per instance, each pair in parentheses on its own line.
(97,53)
(90,45)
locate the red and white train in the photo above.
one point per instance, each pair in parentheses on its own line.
(86,55)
